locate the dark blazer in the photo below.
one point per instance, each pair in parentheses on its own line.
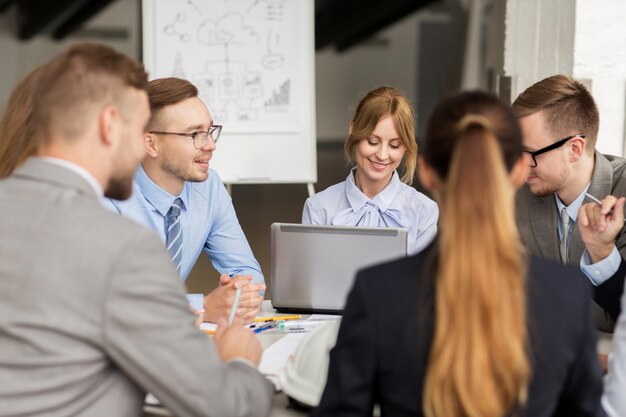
(537,221)
(385,336)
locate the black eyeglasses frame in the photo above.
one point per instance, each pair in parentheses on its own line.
(548,148)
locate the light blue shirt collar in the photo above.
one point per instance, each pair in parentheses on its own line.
(160,199)
(573,208)
(382,200)
(572,211)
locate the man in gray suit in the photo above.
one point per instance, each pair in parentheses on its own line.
(560,122)
(92,314)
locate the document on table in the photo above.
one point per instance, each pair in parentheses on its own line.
(276,356)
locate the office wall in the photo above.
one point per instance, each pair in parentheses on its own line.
(539,40)
(600,56)
(117,25)
(389,58)
(582,38)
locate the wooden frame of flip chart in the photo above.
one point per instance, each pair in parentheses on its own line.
(254,65)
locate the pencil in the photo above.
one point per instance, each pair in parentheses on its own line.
(275,318)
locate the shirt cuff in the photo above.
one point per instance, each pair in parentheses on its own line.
(602,270)
(244,361)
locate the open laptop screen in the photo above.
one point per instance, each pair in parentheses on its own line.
(313,267)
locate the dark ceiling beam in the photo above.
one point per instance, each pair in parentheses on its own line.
(348,22)
(5,4)
(79,17)
(58,17)
(37,16)
(379,15)
(328,14)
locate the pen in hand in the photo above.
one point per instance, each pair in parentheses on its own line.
(595,200)
(233,309)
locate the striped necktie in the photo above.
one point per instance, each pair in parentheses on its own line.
(174,234)
(563,247)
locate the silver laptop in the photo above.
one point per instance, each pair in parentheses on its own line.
(313,267)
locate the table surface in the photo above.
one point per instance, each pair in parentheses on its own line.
(280,405)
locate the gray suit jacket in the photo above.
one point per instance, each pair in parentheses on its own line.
(537,221)
(92,314)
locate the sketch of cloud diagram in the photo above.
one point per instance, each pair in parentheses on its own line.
(242,55)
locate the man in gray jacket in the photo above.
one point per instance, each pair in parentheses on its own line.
(560,122)
(92,314)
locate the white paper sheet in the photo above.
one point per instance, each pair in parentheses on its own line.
(275,357)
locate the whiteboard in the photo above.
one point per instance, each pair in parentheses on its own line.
(253,62)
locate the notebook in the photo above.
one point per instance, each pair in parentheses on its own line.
(313,267)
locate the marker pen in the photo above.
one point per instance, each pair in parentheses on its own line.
(297,325)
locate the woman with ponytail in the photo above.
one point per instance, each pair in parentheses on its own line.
(470,326)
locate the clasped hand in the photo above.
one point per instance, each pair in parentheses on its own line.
(218,303)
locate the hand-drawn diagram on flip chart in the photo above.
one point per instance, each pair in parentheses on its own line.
(253,64)
(242,55)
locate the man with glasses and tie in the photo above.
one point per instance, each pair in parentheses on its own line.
(560,121)
(186,204)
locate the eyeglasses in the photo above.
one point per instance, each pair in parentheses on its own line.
(199,137)
(548,148)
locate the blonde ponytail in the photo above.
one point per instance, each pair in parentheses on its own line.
(478,365)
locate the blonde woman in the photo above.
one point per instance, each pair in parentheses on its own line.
(381,141)
(470,327)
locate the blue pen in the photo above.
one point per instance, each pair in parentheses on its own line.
(264,326)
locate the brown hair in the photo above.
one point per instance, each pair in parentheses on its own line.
(16,126)
(374,106)
(478,363)
(78,82)
(165,92)
(566,104)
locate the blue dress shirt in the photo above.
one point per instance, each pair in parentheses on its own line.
(572,211)
(208,220)
(398,205)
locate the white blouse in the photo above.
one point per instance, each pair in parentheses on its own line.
(397,205)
